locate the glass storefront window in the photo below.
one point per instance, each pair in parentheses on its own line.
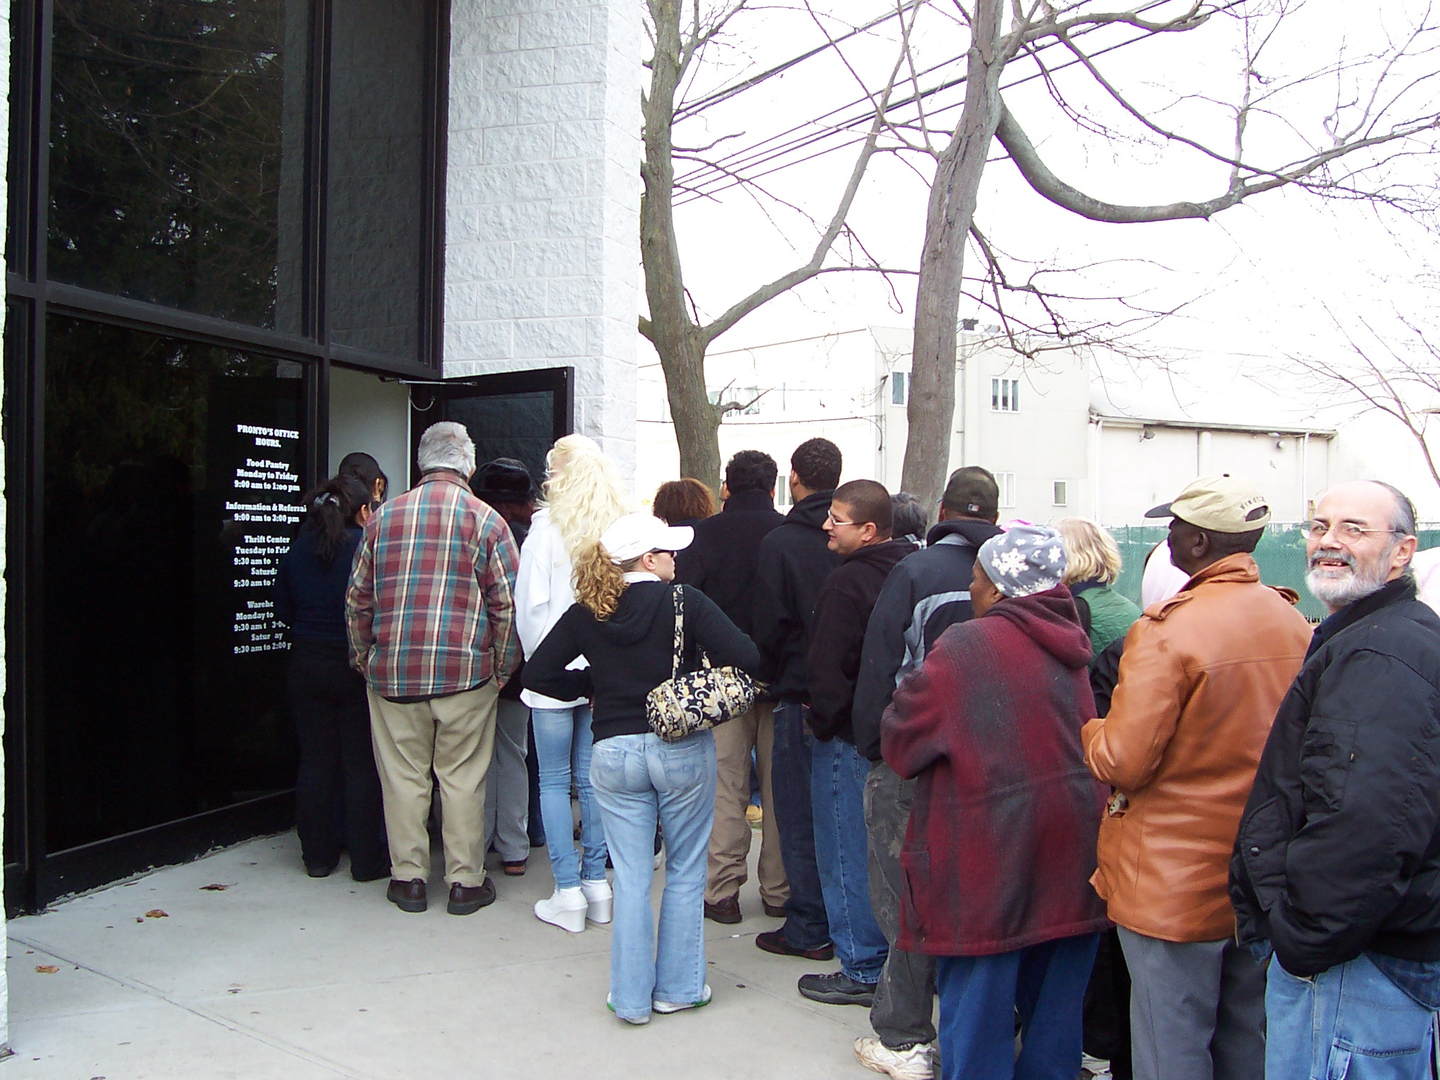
(171,474)
(376,170)
(177,144)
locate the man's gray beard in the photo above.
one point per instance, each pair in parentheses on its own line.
(1362,581)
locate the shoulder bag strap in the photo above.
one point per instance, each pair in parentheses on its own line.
(678,594)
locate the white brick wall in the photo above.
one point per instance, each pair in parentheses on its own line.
(543,200)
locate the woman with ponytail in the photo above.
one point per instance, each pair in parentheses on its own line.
(624,623)
(583,495)
(327,698)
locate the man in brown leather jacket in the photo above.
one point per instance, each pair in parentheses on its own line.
(1200,679)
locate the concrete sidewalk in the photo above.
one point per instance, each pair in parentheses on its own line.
(282,976)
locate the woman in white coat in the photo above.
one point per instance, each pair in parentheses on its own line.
(583,496)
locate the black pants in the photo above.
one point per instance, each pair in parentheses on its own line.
(1107,1008)
(332,720)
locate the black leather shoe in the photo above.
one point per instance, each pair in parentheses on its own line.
(775,911)
(407,895)
(321,869)
(468,899)
(363,875)
(726,911)
(837,988)
(773,941)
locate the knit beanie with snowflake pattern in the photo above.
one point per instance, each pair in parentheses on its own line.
(1025,560)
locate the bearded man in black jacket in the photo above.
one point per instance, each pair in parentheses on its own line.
(722,562)
(795,560)
(1337,861)
(859,530)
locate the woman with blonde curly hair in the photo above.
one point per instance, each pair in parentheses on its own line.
(624,621)
(583,495)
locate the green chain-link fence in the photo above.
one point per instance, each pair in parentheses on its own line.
(1281,556)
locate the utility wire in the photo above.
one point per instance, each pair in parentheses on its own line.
(709,178)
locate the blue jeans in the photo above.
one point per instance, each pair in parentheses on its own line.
(805,924)
(562,736)
(981,995)
(1350,1021)
(638,778)
(837,791)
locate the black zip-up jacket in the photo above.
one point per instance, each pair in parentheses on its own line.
(795,560)
(1339,848)
(632,652)
(927,593)
(842,612)
(724,556)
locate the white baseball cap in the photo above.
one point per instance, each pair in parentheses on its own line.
(635,534)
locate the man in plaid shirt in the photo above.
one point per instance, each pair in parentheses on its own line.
(430,612)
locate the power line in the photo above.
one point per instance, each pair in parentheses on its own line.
(707,179)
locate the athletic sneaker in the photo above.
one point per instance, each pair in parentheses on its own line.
(914,1063)
(1094,1068)
(837,988)
(636,1020)
(665,1007)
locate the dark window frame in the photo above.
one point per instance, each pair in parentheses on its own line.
(31,297)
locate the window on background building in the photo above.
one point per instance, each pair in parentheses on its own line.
(1061,493)
(1006,482)
(177,148)
(899,387)
(1005,395)
(746,397)
(782,489)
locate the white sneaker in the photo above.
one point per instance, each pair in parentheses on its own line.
(636,1020)
(599,900)
(1095,1068)
(917,1063)
(565,909)
(667,1007)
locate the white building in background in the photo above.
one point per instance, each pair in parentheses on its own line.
(1073,432)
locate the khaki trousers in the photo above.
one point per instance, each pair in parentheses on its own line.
(730,838)
(453,737)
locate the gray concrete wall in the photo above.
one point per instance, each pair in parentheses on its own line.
(543,199)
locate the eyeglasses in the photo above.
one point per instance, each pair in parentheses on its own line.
(662,551)
(833,520)
(1317,529)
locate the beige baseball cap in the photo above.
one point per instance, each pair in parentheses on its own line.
(1221,503)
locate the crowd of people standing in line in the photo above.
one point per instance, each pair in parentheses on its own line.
(1200,840)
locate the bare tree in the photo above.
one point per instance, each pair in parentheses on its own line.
(674,325)
(1368,126)
(1395,371)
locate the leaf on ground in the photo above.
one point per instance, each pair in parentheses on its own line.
(214,886)
(156,913)
(46,969)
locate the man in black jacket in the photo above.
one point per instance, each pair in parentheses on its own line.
(1337,861)
(923,596)
(795,560)
(722,562)
(859,528)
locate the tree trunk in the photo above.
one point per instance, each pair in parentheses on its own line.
(677,339)
(931,411)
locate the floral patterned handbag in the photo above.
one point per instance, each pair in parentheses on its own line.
(696,700)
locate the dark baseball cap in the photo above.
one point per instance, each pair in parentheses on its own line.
(972,491)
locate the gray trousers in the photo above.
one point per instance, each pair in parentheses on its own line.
(904,996)
(1197,1008)
(507,788)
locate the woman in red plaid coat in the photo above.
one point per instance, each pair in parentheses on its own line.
(1001,841)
